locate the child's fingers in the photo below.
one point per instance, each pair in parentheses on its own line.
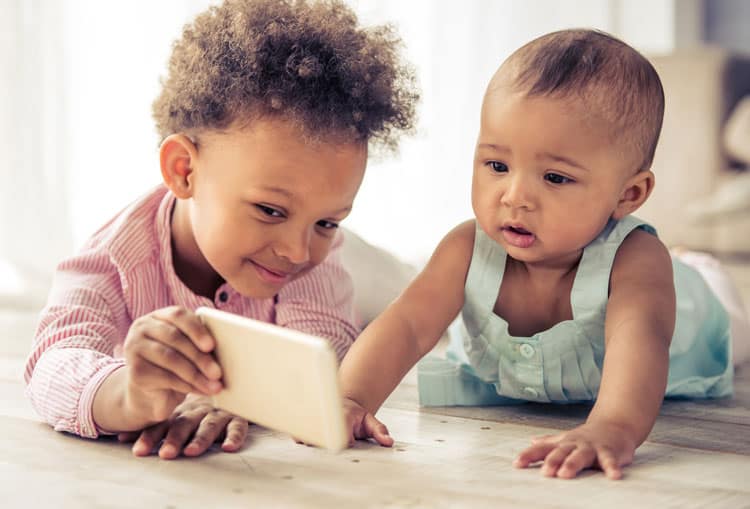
(147,375)
(181,429)
(176,338)
(129,436)
(190,325)
(210,428)
(236,435)
(377,430)
(148,439)
(169,361)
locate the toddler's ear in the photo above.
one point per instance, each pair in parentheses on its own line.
(635,191)
(176,155)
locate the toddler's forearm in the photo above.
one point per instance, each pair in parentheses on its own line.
(114,410)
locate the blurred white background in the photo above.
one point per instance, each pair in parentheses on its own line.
(77,141)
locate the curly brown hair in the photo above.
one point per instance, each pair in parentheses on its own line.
(306,61)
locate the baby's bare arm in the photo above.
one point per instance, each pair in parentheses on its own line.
(411,326)
(638,331)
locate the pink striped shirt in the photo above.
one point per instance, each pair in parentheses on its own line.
(125,271)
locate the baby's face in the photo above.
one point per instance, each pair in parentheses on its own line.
(547,176)
(267,204)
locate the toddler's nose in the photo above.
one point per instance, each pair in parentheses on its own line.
(294,248)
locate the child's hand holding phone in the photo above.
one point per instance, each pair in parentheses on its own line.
(167,356)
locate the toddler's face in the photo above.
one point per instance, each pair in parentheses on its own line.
(547,176)
(266,203)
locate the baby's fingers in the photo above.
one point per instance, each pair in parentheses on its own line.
(579,458)
(546,438)
(377,430)
(530,455)
(556,457)
(609,464)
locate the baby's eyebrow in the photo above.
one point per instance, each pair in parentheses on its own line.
(279,190)
(492,146)
(563,159)
(342,210)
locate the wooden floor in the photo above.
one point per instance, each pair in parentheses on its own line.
(697,456)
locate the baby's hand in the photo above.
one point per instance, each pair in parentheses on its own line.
(195,422)
(362,425)
(601,445)
(167,354)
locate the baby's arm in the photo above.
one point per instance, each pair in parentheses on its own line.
(638,330)
(407,330)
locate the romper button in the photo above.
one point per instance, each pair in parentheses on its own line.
(527,350)
(530,392)
(223,296)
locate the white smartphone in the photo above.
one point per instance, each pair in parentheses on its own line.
(279,378)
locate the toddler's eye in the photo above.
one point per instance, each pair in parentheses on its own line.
(269,211)
(498,167)
(557,179)
(328,225)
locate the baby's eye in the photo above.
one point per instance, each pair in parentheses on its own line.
(557,179)
(498,167)
(328,225)
(269,211)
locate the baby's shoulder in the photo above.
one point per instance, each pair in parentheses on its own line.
(641,255)
(460,240)
(453,253)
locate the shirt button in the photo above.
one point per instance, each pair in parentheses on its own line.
(223,296)
(530,392)
(527,350)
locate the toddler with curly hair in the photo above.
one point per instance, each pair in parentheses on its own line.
(266,116)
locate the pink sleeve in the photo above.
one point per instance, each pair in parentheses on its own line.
(74,347)
(322,303)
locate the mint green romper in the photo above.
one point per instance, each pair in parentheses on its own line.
(486,365)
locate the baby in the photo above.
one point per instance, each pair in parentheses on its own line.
(265,117)
(564,295)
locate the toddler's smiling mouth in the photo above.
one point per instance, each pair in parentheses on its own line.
(271,275)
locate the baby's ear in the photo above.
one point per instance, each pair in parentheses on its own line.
(176,156)
(635,191)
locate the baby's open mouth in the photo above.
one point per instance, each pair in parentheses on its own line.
(519,231)
(518,237)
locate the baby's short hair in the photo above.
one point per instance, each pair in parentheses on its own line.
(611,78)
(306,61)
